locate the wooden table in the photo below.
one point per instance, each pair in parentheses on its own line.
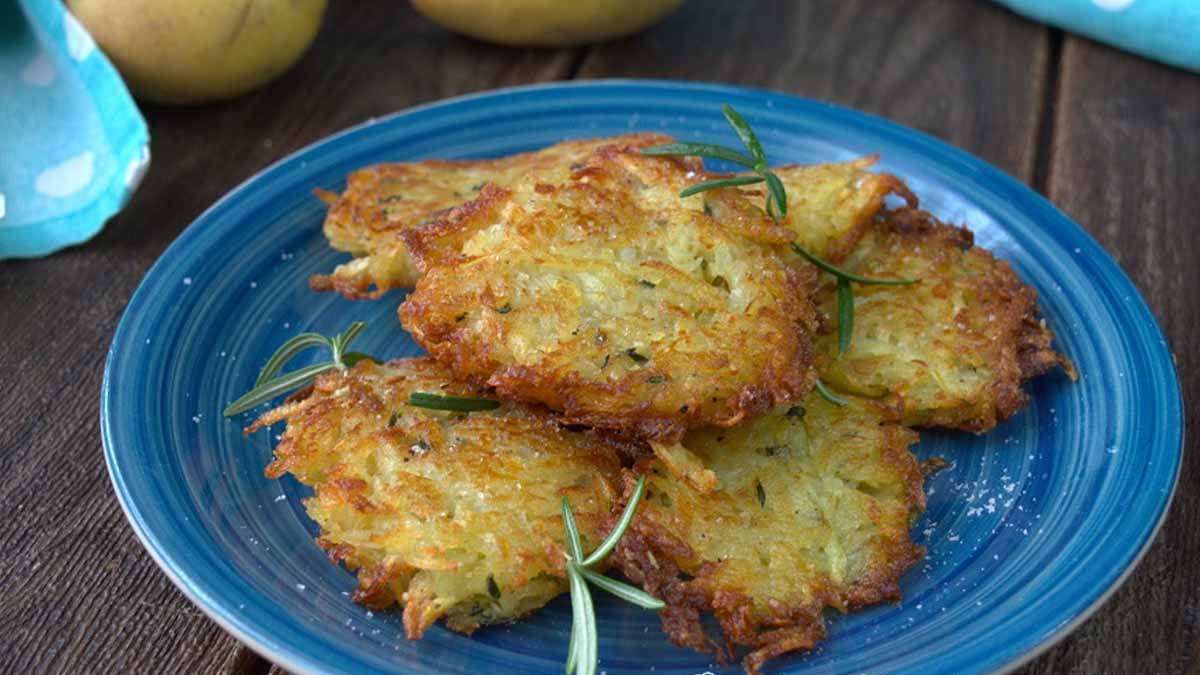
(1112,139)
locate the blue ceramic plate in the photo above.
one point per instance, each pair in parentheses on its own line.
(1032,528)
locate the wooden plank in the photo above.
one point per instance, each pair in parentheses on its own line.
(1124,164)
(967,72)
(77,592)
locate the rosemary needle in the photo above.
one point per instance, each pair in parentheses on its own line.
(270,383)
(422,399)
(736,181)
(776,207)
(848,276)
(823,390)
(845,305)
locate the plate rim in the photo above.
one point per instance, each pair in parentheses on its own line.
(304,665)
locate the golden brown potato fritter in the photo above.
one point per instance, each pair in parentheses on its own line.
(812,511)
(451,515)
(951,350)
(607,297)
(382,201)
(831,206)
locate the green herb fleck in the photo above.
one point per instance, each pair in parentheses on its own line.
(505,309)
(796,412)
(828,395)
(493,589)
(647,284)
(762,494)
(720,183)
(422,399)
(637,358)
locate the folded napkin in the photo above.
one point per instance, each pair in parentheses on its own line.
(1163,30)
(73,145)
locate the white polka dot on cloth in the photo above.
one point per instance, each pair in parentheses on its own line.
(39,72)
(67,178)
(136,169)
(79,42)
(1112,5)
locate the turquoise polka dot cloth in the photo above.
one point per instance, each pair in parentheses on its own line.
(74,146)
(1163,30)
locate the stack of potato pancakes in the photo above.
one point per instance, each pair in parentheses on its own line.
(630,332)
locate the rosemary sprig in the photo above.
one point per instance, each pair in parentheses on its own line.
(845,306)
(270,383)
(823,390)
(776,207)
(700,150)
(842,274)
(423,399)
(720,183)
(756,161)
(581,654)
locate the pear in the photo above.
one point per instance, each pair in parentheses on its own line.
(193,51)
(545,23)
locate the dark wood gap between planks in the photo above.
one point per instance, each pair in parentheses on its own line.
(581,55)
(1044,157)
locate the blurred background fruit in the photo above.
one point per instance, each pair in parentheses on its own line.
(545,23)
(191,51)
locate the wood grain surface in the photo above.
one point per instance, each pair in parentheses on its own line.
(1112,139)
(1125,164)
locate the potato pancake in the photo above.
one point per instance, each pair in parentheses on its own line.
(949,351)
(383,200)
(451,515)
(812,511)
(608,298)
(831,206)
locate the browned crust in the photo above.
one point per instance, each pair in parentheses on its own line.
(860,200)
(650,555)
(842,246)
(353,407)
(433,314)
(1025,350)
(440,242)
(1019,344)
(383,201)
(357,287)
(786,378)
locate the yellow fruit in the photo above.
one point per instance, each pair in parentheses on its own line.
(190,51)
(545,23)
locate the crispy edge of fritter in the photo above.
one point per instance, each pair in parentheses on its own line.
(358,223)
(832,205)
(309,412)
(785,377)
(650,554)
(440,242)
(383,262)
(1022,350)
